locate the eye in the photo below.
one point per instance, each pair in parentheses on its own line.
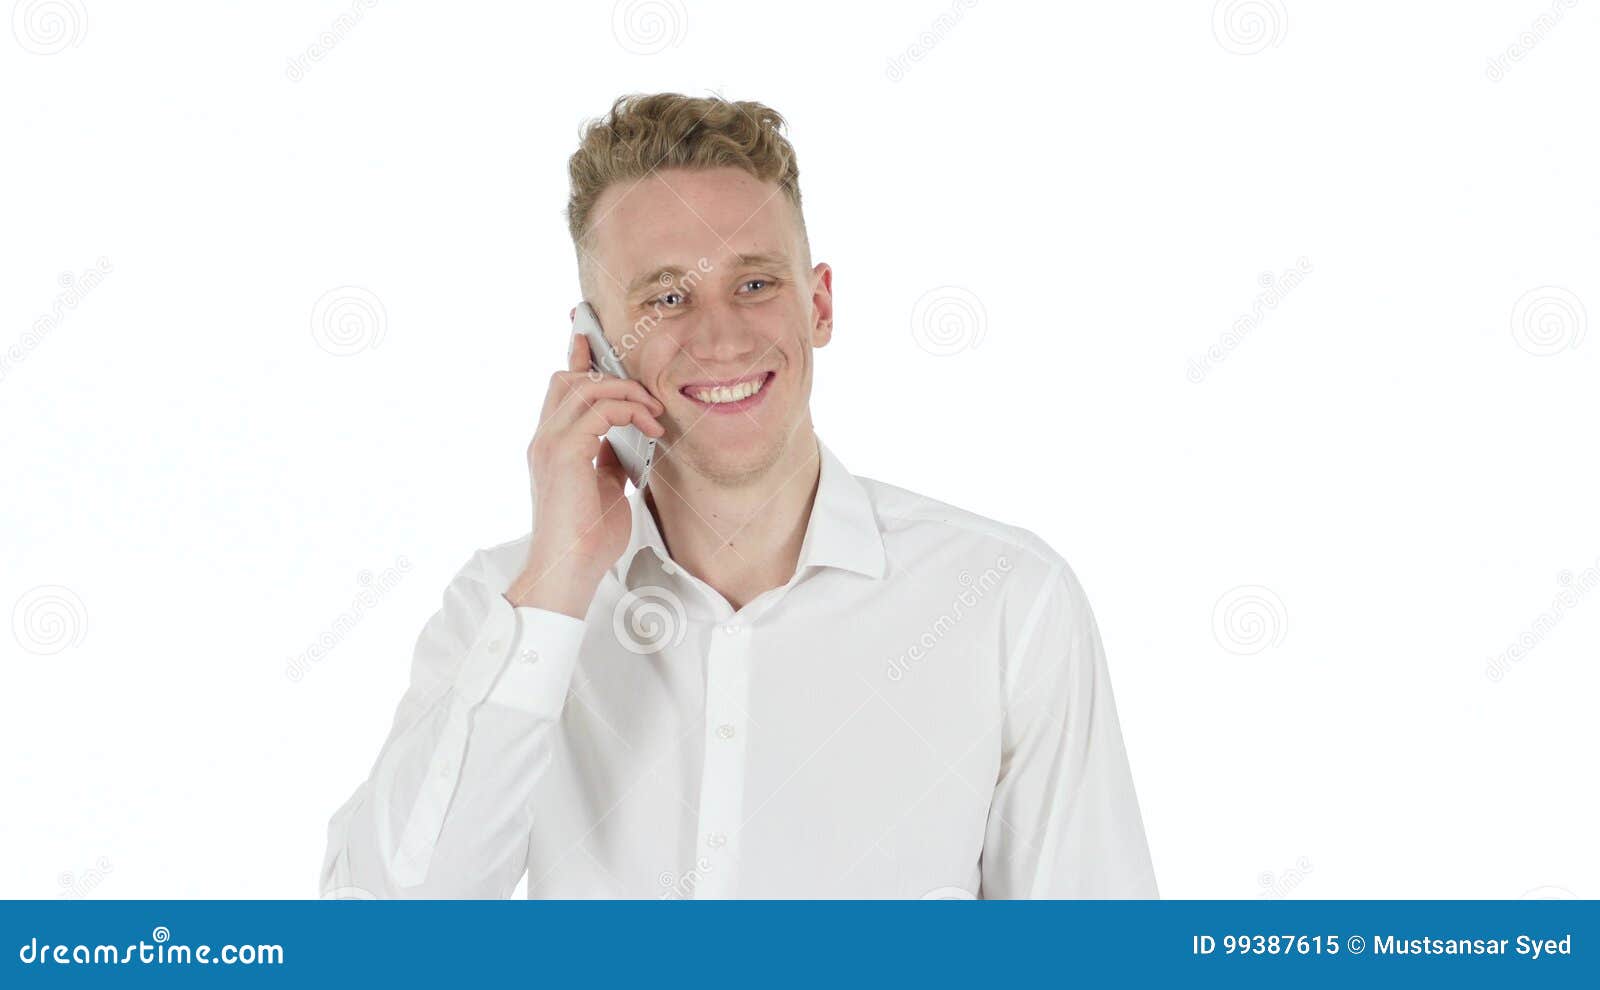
(662,299)
(758,281)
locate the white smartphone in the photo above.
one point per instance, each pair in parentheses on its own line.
(635,450)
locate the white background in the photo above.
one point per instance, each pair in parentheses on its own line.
(1396,463)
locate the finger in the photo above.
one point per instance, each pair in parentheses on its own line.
(606,413)
(578,355)
(612,475)
(630,389)
(605,387)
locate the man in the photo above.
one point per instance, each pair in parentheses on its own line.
(762,677)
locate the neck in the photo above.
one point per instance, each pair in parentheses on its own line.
(741,540)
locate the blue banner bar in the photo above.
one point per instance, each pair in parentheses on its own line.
(819,943)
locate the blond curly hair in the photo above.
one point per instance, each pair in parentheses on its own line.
(647,132)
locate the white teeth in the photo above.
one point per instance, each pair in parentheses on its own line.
(724,393)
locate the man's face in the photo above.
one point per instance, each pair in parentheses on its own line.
(700,281)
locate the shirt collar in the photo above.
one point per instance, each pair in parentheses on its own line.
(842,531)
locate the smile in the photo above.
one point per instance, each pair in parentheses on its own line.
(731,395)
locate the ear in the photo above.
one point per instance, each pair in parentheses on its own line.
(821,304)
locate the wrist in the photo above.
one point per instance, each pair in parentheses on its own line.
(561,587)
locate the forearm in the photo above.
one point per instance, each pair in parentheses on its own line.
(447,808)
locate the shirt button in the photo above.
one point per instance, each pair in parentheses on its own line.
(444,769)
(725,731)
(668,567)
(494,646)
(716,840)
(732,629)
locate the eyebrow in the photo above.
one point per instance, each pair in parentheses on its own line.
(653,277)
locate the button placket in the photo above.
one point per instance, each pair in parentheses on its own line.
(723,767)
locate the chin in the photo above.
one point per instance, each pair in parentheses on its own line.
(730,466)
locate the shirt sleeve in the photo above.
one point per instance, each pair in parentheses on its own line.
(447,808)
(1064,819)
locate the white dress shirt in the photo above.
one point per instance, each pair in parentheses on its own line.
(922,711)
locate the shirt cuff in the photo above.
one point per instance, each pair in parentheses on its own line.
(523,658)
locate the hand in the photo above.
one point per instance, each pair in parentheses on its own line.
(581,521)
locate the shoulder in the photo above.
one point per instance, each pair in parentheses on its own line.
(912,523)
(1040,595)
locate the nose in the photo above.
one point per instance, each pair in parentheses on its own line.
(720,339)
